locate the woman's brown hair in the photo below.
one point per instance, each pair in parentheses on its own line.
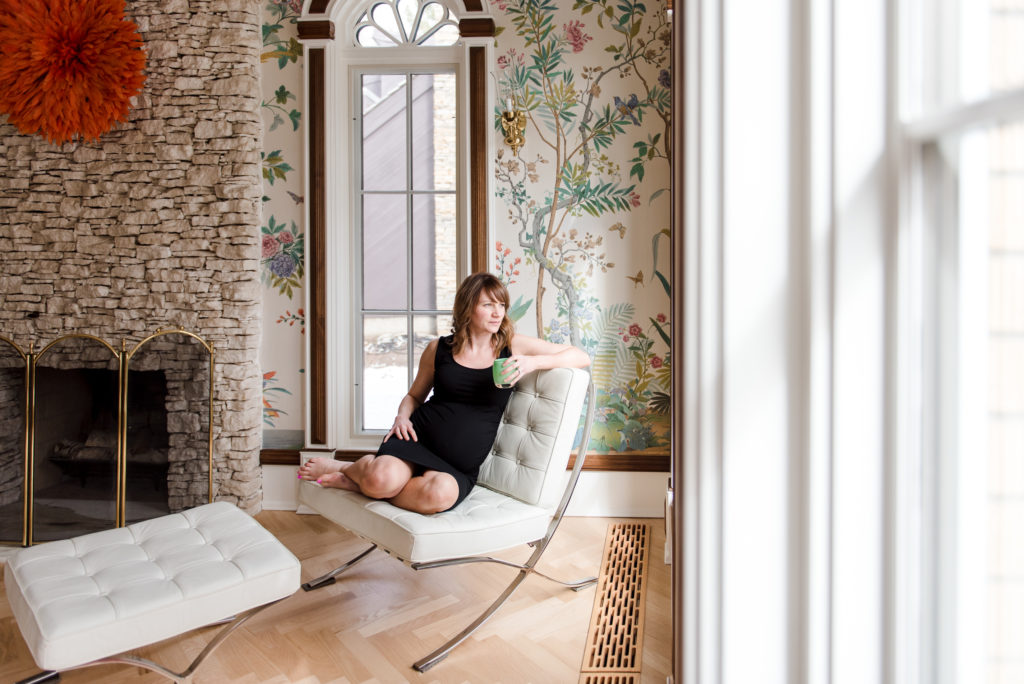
(466,298)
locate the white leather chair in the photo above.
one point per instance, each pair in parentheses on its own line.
(520,496)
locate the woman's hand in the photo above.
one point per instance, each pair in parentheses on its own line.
(521,365)
(402,429)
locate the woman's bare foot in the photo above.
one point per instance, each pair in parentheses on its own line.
(338,480)
(328,472)
(315,468)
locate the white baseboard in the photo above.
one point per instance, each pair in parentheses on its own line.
(602,494)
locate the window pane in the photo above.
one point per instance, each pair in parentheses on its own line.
(1005,489)
(384,16)
(384,131)
(385,369)
(434,272)
(407,10)
(975,46)
(446,35)
(433,131)
(385,263)
(370,36)
(428,328)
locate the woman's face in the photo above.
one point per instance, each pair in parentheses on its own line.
(488,313)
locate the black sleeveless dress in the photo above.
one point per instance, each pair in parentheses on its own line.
(457,424)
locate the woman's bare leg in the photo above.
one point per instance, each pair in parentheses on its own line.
(386,477)
(431,492)
(378,477)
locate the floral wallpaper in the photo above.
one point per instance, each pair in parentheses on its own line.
(582,242)
(582,213)
(281,262)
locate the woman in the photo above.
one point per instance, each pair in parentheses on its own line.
(430,458)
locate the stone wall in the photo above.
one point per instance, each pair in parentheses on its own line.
(157,223)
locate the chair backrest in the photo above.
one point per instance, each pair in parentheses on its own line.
(532,447)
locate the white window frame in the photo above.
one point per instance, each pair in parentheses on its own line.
(342,58)
(944,296)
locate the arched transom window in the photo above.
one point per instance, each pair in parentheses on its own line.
(391,23)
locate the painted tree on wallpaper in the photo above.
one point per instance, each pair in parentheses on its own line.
(282,236)
(583,102)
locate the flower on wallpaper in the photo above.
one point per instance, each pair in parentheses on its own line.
(575,35)
(282,49)
(276,107)
(281,254)
(270,394)
(274,166)
(511,58)
(665,78)
(507,268)
(292,318)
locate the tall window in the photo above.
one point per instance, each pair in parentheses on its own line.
(964,115)
(407,219)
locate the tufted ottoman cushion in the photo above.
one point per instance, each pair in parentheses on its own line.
(101,594)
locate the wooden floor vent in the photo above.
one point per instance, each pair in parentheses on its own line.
(615,637)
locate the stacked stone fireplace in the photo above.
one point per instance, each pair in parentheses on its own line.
(156,224)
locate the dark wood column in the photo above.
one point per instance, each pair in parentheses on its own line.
(316,235)
(479,132)
(478,135)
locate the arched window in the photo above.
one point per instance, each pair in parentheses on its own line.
(391,199)
(406,22)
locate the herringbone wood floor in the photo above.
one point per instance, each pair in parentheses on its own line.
(381,616)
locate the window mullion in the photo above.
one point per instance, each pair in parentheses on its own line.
(411,264)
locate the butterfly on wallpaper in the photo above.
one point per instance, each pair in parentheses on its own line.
(619,227)
(638,279)
(626,109)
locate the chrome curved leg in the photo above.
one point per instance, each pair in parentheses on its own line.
(324,580)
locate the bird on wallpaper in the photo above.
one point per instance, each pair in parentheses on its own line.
(638,279)
(627,109)
(298,199)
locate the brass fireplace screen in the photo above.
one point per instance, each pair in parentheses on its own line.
(92,437)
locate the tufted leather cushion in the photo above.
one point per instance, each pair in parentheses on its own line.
(101,594)
(519,487)
(535,437)
(483,523)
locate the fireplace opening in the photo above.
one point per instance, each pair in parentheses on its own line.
(76,450)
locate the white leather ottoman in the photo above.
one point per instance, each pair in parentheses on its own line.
(80,601)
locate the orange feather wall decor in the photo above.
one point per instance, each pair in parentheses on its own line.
(68,68)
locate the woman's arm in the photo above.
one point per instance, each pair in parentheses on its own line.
(530,354)
(417,394)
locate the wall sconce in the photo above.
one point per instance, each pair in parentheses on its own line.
(513,122)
